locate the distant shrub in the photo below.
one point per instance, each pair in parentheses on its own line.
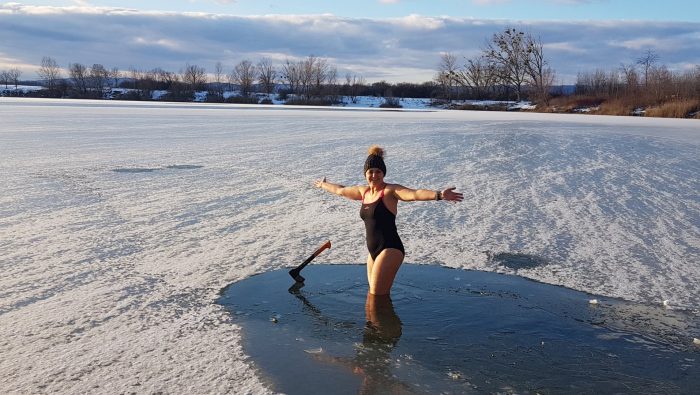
(618,107)
(313,101)
(440,103)
(214,98)
(572,104)
(173,98)
(130,95)
(483,107)
(12,93)
(45,93)
(242,100)
(391,102)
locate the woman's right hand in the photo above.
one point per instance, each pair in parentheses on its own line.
(319,183)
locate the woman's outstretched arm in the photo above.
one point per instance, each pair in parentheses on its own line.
(352,193)
(410,195)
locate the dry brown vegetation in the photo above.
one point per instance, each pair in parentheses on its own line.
(676,109)
(686,108)
(641,89)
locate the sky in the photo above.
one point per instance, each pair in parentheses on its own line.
(392,40)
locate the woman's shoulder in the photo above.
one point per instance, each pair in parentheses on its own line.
(393,187)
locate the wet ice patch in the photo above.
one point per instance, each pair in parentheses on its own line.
(154,169)
(184,167)
(514,260)
(136,169)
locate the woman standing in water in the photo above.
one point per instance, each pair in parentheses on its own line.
(379,206)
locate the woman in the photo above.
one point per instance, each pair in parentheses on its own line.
(379,205)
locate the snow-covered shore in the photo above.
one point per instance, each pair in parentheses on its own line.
(121,221)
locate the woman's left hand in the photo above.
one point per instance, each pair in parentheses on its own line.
(450,195)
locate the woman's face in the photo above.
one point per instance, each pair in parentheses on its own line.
(374,176)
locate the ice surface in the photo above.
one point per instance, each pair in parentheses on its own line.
(109,276)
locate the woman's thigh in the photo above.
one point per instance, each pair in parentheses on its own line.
(381,272)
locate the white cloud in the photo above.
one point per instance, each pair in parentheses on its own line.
(642,43)
(389,1)
(391,49)
(419,22)
(569,47)
(158,42)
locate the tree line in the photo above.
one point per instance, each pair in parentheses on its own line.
(309,79)
(643,83)
(312,80)
(10,77)
(644,76)
(512,66)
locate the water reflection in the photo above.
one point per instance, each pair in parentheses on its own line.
(372,360)
(459,332)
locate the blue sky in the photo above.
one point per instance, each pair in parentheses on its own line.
(673,10)
(392,40)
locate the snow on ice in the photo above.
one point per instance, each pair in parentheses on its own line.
(120,222)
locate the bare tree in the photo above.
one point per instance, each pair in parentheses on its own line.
(541,76)
(660,84)
(115,75)
(354,84)
(98,78)
(291,74)
(267,75)
(4,78)
(596,83)
(149,82)
(631,78)
(135,75)
(230,78)
(50,72)
(14,75)
(218,79)
(614,84)
(194,77)
(332,86)
(447,75)
(243,75)
(165,79)
(306,75)
(319,70)
(170,81)
(79,75)
(508,51)
(478,75)
(647,61)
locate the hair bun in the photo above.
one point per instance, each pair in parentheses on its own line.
(376,150)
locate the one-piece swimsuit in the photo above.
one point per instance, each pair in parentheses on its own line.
(380,224)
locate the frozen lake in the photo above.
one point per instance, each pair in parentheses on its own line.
(120,222)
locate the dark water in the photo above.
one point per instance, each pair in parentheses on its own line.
(456,331)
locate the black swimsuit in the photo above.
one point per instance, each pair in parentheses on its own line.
(380,224)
